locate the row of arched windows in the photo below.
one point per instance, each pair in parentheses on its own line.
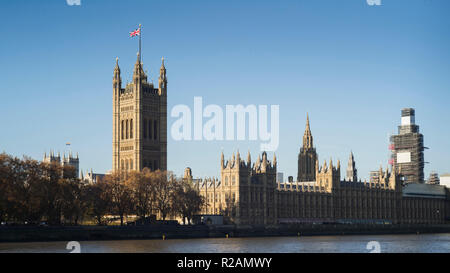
(151,164)
(233,180)
(150,129)
(127,129)
(126,164)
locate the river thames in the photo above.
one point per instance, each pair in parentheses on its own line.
(423,243)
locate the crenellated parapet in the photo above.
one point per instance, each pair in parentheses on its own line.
(207,184)
(69,160)
(263,165)
(235,162)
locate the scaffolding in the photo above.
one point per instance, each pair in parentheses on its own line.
(408,150)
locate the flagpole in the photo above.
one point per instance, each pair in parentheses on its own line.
(140,34)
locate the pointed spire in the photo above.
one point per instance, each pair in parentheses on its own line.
(307,137)
(249,159)
(307,122)
(264,162)
(258,162)
(274,160)
(162,75)
(138,70)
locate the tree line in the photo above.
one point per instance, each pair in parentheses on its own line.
(32,192)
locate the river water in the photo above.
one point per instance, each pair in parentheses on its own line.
(426,243)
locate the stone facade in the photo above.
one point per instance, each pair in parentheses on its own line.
(69,160)
(248,194)
(352,172)
(307,157)
(139,121)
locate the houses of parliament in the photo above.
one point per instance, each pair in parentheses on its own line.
(139,121)
(247,192)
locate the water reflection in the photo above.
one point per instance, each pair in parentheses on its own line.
(316,244)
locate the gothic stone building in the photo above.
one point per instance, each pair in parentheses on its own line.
(307,157)
(248,194)
(69,160)
(139,121)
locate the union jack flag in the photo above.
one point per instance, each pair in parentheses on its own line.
(137,32)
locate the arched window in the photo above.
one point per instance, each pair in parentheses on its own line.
(226,180)
(155,129)
(131,128)
(131,164)
(233,180)
(145,129)
(122,127)
(150,135)
(122,165)
(126,130)
(156,164)
(126,165)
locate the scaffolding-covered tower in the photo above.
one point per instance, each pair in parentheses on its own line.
(407,149)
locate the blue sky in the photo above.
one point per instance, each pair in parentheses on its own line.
(352,66)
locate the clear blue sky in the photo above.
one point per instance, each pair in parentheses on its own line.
(350,65)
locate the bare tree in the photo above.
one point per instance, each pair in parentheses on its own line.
(122,201)
(164,184)
(99,201)
(187,200)
(143,191)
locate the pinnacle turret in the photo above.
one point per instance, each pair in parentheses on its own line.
(162,76)
(307,137)
(352,173)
